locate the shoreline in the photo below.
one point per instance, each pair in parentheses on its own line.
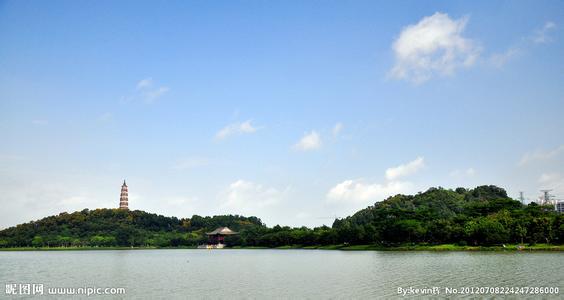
(434,248)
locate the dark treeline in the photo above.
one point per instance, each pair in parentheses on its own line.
(481,216)
(116,227)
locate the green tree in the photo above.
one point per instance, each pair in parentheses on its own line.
(37,241)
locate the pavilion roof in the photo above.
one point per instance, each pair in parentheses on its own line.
(222,231)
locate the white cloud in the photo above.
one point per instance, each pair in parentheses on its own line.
(147,91)
(405,169)
(541,155)
(310,141)
(361,192)
(236,129)
(549,177)
(553,181)
(152,95)
(73,201)
(434,45)
(470,172)
(25,199)
(190,163)
(541,36)
(246,197)
(337,129)
(498,60)
(145,83)
(180,201)
(303,215)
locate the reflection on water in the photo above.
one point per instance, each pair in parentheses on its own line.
(181,274)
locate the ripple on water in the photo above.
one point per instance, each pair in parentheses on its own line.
(243,274)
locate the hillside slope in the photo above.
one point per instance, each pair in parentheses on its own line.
(481,216)
(115,227)
(484,215)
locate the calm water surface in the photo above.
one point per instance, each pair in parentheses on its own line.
(182,274)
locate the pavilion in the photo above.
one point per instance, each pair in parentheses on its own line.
(216,238)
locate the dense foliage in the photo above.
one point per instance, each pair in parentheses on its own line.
(115,227)
(481,216)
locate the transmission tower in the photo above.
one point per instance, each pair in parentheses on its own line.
(521,197)
(546,196)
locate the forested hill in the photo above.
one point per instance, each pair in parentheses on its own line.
(481,216)
(116,227)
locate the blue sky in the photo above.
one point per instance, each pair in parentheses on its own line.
(294,111)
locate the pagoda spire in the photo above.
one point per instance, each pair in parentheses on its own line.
(123,199)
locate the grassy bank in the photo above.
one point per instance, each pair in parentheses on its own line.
(442,247)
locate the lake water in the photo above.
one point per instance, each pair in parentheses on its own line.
(182,274)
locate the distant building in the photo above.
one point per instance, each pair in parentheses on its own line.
(559,206)
(216,238)
(123,203)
